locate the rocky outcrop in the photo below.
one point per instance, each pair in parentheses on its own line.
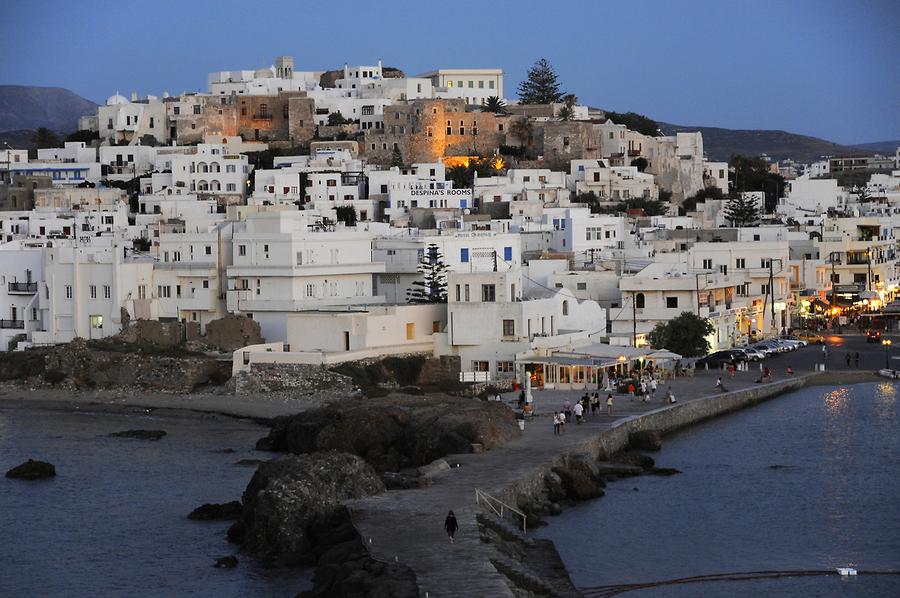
(113,364)
(289,494)
(228,511)
(395,432)
(226,562)
(633,458)
(140,434)
(32,470)
(345,568)
(645,440)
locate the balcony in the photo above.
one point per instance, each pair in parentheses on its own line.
(262,116)
(15,324)
(633,153)
(25,288)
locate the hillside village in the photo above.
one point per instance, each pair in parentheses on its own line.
(363,213)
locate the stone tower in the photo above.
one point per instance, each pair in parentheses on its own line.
(284,67)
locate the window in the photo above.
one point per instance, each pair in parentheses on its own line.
(481,366)
(208,250)
(196,108)
(96,321)
(93,289)
(740,263)
(231,187)
(764,288)
(581,286)
(742,290)
(242,250)
(509,327)
(756,237)
(507,254)
(488,293)
(464,255)
(457,292)
(671,302)
(565,308)
(107,291)
(467,293)
(430,131)
(639,301)
(142,291)
(176,111)
(765,263)
(205,283)
(859,278)
(707,264)
(410,331)
(310,290)
(299,258)
(506,367)
(68,291)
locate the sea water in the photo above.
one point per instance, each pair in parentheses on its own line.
(806,481)
(113,522)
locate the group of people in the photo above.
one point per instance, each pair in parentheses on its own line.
(854,357)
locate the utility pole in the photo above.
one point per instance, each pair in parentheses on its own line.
(697,278)
(772,291)
(633,321)
(869,264)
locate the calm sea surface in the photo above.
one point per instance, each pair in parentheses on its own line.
(113,521)
(808,481)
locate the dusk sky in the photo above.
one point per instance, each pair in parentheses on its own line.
(827,68)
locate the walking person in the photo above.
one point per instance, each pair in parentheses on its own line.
(595,404)
(562,422)
(670,397)
(653,386)
(567,407)
(556,424)
(848,359)
(579,412)
(609,404)
(719,385)
(450,525)
(856,360)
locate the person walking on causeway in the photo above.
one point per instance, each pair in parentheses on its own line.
(450,525)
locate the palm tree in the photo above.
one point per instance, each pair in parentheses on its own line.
(523,130)
(494,104)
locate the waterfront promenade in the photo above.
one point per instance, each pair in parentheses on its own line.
(406,525)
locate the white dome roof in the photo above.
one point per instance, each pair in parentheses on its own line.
(116,99)
(264,73)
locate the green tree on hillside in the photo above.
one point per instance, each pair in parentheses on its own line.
(742,211)
(432,288)
(685,335)
(751,173)
(541,85)
(336,118)
(635,122)
(397,158)
(44,138)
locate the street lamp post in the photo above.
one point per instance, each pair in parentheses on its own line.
(887,353)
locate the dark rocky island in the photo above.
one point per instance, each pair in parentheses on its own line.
(32,470)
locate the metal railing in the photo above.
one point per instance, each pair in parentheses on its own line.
(498,506)
(17,324)
(23,287)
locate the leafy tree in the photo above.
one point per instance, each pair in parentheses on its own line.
(346,214)
(83,135)
(397,158)
(494,104)
(541,85)
(336,118)
(742,211)
(44,138)
(690,203)
(641,163)
(650,207)
(462,176)
(635,122)
(433,286)
(751,173)
(685,335)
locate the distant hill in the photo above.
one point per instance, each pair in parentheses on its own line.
(17,139)
(28,107)
(721,144)
(880,147)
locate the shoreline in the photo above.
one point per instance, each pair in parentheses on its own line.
(515,473)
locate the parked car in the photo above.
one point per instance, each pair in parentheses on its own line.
(792,345)
(754,354)
(873,336)
(794,338)
(771,346)
(720,358)
(809,336)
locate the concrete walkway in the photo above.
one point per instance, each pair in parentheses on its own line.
(407,525)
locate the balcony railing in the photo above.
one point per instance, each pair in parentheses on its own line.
(17,324)
(262,116)
(23,287)
(633,153)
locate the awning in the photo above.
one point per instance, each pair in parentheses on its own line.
(664,355)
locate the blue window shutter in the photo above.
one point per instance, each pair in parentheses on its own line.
(464,203)
(507,254)
(464,254)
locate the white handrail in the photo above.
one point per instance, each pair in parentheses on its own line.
(487,499)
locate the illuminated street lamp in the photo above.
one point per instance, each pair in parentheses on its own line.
(887,353)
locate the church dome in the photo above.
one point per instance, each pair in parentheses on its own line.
(264,73)
(116,99)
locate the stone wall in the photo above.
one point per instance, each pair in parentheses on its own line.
(233,332)
(294,378)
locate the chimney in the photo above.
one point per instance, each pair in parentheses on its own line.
(346,71)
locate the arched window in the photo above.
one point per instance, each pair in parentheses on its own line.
(202,167)
(202,186)
(639,301)
(215,186)
(214,167)
(565,308)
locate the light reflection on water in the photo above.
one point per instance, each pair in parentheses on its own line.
(806,481)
